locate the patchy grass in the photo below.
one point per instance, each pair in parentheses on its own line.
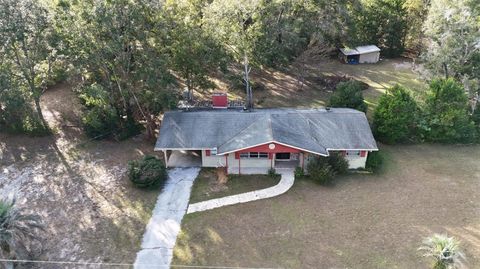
(364,221)
(207,187)
(283,88)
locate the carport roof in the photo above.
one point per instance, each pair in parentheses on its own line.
(314,130)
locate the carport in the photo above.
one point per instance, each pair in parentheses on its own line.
(183,158)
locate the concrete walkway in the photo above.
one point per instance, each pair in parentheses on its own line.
(286,182)
(164,226)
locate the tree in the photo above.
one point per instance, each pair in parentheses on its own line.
(117,44)
(19,232)
(26,33)
(193,53)
(446,113)
(395,117)
(383,23)
(453,38)
(444,250)
(348,94)
(417,11)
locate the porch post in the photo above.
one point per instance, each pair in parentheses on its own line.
(226,164)
(165,157)
(303,161)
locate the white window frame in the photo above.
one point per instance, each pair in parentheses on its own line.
(254,155)
(213,152)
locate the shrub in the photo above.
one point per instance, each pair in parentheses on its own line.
(444,250)
(20,232)
(299,173)
(272,172)
(395,117)
(320,170)
(338,163)
(16,114)
(147,172)
(348,94)
(101,118)
(374,161)
(446,114)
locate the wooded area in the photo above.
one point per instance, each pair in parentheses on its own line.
(128,59)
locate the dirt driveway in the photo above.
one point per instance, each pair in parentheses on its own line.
(362,222)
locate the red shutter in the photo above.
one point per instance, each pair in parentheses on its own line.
(237,155)
(270,156)
(343,153)
(363,153)
(207,152)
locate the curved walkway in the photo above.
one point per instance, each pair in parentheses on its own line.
(286,182)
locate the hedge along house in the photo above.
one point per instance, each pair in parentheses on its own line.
(361,54)
(257,140)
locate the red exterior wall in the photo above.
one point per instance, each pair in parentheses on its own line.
(264,148)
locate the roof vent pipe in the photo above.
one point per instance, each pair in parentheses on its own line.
(327,109)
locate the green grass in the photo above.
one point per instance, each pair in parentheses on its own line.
(206,186)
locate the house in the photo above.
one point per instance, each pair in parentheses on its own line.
(361,54)
(254,141)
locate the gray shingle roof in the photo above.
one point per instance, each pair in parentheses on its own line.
(315,130)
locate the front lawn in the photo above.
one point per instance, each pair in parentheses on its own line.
(206,186)
(364,221)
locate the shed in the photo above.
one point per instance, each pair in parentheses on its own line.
(361,54)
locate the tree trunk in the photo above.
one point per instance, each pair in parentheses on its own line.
(445,69)
(40,114)
(247,83)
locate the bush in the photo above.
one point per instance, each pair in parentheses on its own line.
(17,115)
(338,163)
(374,161)
(395,117)
(323,170)
(102,119)
(320,170)
(447,118)
(272,172)
(348,94)
(147,172)
(299,173)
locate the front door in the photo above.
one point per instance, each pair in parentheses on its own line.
(282,156)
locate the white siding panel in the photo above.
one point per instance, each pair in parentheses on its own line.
(372,57)
(212,161)
(356,162)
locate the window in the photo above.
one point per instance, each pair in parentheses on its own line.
(254,155)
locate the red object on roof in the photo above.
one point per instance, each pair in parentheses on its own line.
(220,100)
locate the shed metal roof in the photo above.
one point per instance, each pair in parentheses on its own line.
(360,50)
(315,130)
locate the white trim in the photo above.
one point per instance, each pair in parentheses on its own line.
(352,149)
(273,141)
(160,149)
